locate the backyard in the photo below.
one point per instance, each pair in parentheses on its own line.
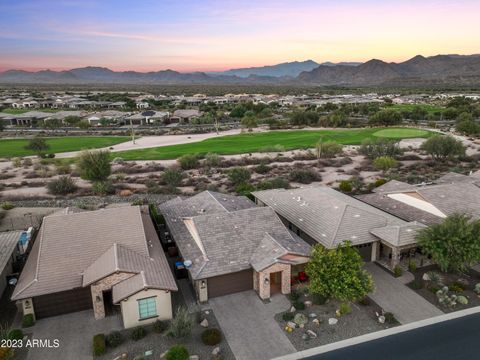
(16,147)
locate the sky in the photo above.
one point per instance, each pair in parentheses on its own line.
(215,35)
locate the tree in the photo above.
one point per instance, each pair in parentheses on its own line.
(84,124)
(249,120)
(328,149)
(338,273)
(94,165)
(38,145)
(373,148)
(468,127)
(384,163)
(443,147)
(454,244)
(188,161)
(62,186)
(239,175)
(386,117)
(172,177)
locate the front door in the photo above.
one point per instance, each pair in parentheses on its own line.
(275,282)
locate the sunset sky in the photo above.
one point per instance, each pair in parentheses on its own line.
(207,35)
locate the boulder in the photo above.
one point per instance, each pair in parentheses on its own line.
(381,319)
(204,323)
(216,351)
(207,312)
(316,322)
(292,309)
(311,334)
(307,303)
(332,321)
(300,319)
(312,315)
(426,277)
(291,324)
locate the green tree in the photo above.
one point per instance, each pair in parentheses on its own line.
(249,121)
(443,147)
(386,117)
(94,165)
(38,145)
(338,273)
(373,148)
(384,163)
(239,175)
(454,244)
(84,124)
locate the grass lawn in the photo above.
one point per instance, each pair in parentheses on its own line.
(409,107)
(16,147)
(13,111)
(246,143)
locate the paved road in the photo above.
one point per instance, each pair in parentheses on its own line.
(249,326)
(451,340)
(397,298)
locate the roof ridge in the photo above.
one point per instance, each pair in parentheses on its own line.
(337,226)
(216,200)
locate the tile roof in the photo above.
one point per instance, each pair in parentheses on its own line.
(8,242)
(67,245)
(399,235)
(326,215)
(393,185)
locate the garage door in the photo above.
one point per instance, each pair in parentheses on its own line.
(62,303)
(230,283)
(365,251)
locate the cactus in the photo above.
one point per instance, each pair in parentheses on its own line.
(477,289)
(445,299)
(462,300)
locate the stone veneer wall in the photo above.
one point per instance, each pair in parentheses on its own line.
(98,287)
(264,288)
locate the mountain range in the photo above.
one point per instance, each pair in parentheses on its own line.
(440,70)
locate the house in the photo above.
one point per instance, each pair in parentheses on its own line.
(321,215)
(229,245)
(9,242)
(107,260)
(185,116)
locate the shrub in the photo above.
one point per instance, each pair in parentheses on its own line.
(294,296)
(7,205)
(172,177)
(345,186)
(138,333)
(299,305)
(416,284)
(262,169)
(63,169)
(94,165)
(328,149)
(177,352)
(364,301)
(276,183)
(476,289)
(397,271)
(244,189)
(457,287)
(28,320)
(27,162)
(412,266)
(62,186)
(239,175)
(288,316)
(103,188)
(15,334)
(442,147)
(188,162)
(304,176)
(213,160)
(462,300)
(373,148)
(160,326)
(390,318)
(344,309)
(181,325)
(99,346)
(435,279)
(319,299)
(114,339)
(384,163)
(380,182)
(17,162)
(211,337)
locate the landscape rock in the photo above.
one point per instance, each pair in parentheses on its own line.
(305,337)
(216,351)
(381,319)
(291,324)
(292,309)
(316,322)
(311,334)
(207,312)
(308,303)
(300,319)
(204,323)
(426,277)
(332,321)
(312,315)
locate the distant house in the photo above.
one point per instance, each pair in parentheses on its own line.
(142,105)
(229,245)
(147,117)
(9,248)
(185,116)
(106,260)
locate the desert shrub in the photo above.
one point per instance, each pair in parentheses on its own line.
(384,163)
(181,325)
(103,188)
(457,287)
(99,346)
(442,147)
(345,186)
(138,333)
(299,305)
(239,175)
(476,289)
(62,186)
(364,301)
(244,189)
(344,309)
(28,321)
(435,279)
(172,177)
(17,162)
(160,326)
(63,169)
(373,148)
(27,162)
(213,160)
(262,169)
(390,318)
(288,316)
(211,337)
(94,165)
(304,176)
(380,182)
(328,149)
(188,162)
(15,334)
(177,352)
(114,339)
(397,271)
(7,205)
(412,266)
(462,300)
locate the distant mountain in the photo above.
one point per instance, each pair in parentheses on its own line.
(287,69)
(441,69)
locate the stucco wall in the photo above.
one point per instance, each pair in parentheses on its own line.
(129,307)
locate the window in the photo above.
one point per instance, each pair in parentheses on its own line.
(147,308)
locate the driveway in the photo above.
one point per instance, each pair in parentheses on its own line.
(249,326)
(395,297)
(74,331)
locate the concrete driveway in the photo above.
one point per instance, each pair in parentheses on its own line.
(395,297)
(74,331)
(249,325)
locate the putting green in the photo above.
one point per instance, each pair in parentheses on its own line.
(400,133)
